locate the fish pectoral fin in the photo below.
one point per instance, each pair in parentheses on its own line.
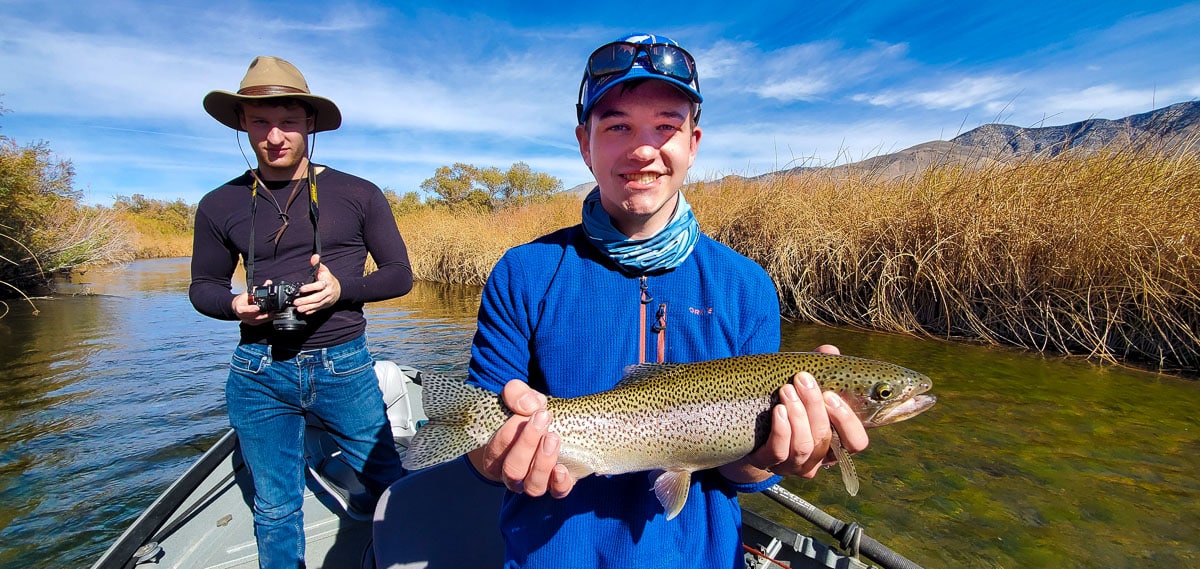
(671,489)
(845,465)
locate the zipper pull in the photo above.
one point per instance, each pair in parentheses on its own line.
(646,298)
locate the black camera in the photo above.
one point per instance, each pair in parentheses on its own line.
(276,299)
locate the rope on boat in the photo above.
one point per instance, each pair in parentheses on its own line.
(852,539)
(764,556)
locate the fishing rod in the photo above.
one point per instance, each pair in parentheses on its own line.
(850,535)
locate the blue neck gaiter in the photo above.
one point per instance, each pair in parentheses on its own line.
(663,251)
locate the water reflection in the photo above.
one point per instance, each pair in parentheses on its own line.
(1025,461)
(110,395)
(95,386)
(433,324)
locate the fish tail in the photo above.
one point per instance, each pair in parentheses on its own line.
(462,418)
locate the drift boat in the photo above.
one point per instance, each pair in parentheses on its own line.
(440,517)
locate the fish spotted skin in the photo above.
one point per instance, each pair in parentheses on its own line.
(678,418)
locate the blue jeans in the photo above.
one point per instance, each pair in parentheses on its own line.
(268,395)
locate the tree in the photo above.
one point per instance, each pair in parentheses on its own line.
(451,184)
(32,184)
(524,186)
(403,205)
(43,227)
(174,217)
(475,187)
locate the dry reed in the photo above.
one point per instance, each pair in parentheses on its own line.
(1080,254)
(461,247)
(154,239)
(1092,255)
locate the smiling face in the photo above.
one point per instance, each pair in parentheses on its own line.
(639,143)
(278,134)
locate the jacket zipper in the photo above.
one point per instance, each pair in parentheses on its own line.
(659,328)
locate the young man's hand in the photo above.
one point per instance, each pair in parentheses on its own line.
(321,293)
(523,454)
(801,432)
(248,312)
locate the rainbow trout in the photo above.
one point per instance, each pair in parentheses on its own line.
(677,418)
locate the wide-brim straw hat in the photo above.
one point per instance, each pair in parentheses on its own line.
(270,78)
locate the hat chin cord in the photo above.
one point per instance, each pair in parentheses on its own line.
(312,145)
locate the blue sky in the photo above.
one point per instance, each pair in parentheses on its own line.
(115,86)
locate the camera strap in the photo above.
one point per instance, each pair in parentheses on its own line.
(313,215)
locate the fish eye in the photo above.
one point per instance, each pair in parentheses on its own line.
(883,390)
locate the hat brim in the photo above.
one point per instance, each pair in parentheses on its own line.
(222,105)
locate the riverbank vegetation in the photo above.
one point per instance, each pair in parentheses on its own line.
(1084,254)
(43,228)
(159,229)
(46,230)
(1094,254)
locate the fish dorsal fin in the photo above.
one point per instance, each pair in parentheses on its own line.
(637,373)
(671,489)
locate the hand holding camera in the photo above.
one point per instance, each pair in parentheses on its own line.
(284,303)
(322,293)
(278,300)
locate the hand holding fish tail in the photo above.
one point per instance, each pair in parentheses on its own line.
(522,454)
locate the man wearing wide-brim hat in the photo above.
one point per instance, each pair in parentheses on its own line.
(303,232)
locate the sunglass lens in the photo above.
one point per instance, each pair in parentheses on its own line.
(673,62)
(612,58)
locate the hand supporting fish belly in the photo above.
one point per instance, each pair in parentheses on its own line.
(677,418)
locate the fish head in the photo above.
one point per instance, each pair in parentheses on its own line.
(889,398)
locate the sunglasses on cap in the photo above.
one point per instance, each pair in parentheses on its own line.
(663,59)
(612,62)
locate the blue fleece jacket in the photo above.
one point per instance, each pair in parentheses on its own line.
(562,317)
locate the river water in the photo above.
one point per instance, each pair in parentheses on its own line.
(1026,461)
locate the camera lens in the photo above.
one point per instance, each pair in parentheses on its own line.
(286,320)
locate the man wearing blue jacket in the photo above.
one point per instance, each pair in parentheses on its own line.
(635,282)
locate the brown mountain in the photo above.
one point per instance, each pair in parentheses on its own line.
(1173,127)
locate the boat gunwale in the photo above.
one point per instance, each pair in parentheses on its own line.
(150,525)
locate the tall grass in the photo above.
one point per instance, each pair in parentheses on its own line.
(462,246)
(1093,255)
(1083,254)
(155,239)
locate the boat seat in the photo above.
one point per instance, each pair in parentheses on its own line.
(402,396)
(442,517)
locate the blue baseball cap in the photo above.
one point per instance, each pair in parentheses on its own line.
(637,56)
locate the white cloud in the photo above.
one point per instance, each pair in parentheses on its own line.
(962,93)
(802,72)
(1102,100)
(751,149)
(797,89)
